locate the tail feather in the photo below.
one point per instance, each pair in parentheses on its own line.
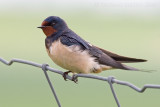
(130,68)
(135,69)
(121,59)
(128,60)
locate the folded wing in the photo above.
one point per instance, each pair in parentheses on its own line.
(121,59)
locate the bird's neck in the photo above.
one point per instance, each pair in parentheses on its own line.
(50,39)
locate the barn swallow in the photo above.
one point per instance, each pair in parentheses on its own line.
(73,53)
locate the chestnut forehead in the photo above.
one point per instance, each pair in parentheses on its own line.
(45,23)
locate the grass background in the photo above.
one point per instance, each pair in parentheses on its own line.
(129,33)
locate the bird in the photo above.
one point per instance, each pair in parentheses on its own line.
(69,51)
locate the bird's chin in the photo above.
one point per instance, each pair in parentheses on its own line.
(48,31)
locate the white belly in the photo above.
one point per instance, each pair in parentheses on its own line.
(72,58)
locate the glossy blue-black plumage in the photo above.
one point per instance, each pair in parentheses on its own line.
(51,19)
(56,22)
(70,38)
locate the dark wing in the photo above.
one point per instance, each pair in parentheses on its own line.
(71,41)
(104,59)
(121,59)
(70,38)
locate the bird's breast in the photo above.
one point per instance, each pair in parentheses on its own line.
(72,57)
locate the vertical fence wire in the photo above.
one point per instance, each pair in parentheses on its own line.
(50,84)
(112,89)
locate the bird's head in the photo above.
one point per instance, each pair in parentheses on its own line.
(52,25)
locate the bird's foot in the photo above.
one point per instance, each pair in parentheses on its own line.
(74,78)
(65,74)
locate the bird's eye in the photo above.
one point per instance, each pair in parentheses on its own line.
(53,24)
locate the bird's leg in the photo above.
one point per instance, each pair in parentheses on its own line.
(74,78)
(64,75)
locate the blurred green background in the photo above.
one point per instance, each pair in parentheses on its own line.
(127,27)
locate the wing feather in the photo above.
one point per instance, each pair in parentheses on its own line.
(121,59)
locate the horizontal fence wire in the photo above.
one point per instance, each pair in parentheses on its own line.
(111,80)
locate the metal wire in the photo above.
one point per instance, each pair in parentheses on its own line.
(50,84)
(112,89)
(109,79)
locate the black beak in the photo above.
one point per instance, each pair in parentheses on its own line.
(41,26)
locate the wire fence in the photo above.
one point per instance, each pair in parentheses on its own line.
(111,80)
